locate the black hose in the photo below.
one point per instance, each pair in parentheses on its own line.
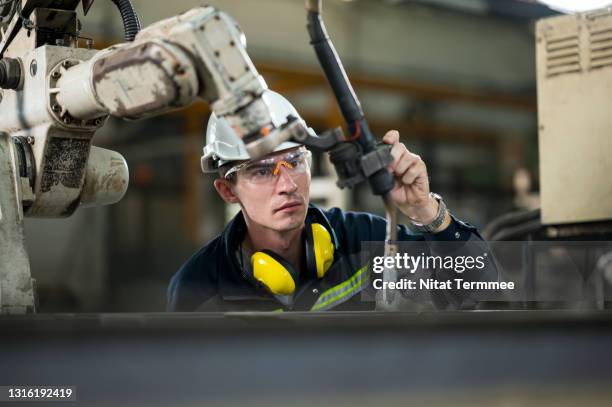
(131,23)
(381,182)
(334,71)
(509,219)
(518,231)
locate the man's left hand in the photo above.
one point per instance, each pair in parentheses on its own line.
(411,190)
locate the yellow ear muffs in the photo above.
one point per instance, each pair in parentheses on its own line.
(323,249)
(273,272)
(279,277)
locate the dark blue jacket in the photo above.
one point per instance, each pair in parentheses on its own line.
(213,280)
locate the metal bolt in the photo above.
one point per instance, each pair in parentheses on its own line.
(67,120)
(217,53)
(315,291)
(56,75)
(56,108)
(232,79)
(67,64)
(97,122)
(457,235)
(33,67)
(232,44)
(30,140)
(202,27)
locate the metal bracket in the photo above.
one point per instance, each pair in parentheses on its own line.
(324,142)
(376,160)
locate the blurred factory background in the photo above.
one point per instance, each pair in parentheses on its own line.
(456,78)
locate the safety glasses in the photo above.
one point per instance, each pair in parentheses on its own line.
(266,170)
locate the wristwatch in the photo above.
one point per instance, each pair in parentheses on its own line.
(438,220)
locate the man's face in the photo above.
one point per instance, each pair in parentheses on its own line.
(274,192)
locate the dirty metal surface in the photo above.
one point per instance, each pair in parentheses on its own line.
(16,293)
(144,79)
(65,164)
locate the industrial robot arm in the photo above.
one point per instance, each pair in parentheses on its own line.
(55,95)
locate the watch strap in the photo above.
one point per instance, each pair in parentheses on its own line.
(437,221)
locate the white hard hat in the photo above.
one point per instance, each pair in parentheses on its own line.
(223,145)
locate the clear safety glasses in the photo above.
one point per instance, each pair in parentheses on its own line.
(296,163)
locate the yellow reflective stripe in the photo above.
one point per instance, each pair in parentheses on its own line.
(337,293)
(340,291)
(334,290)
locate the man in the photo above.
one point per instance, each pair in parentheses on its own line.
(236,270)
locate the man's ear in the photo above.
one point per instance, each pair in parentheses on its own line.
(224,188)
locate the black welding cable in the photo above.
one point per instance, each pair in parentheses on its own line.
(131,23)
(336,76)
(330,62)
(381,182)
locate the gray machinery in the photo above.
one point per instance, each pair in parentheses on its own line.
(574,78)
(55,95)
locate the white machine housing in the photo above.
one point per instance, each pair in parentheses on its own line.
(574,76)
